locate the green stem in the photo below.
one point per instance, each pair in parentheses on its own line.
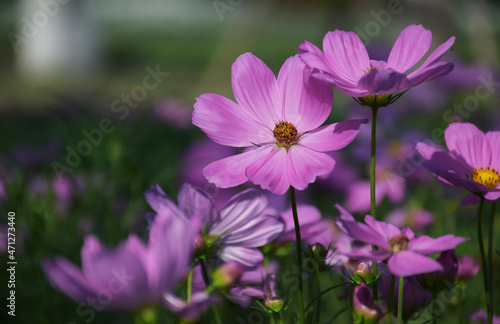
(390,302)
(490,259)
(299,254)
(190,281)
(483,259)
(280,318)
(373,205)
(400,300)
(372,163)
(216,314)
(204,273)
(324,292)
(272,319)
(318,291)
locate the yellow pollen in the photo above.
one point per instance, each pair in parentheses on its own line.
(369,69)
(488,177)
(285,134)
(399,243)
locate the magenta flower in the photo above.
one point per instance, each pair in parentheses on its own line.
(365,310)
(467,268)
(418,219)
(132,275)
(192,309)
(277,121)
(405,254)
(344,62)
(233,233)
(309,220)
(415,297)
(481,317)
(472,163)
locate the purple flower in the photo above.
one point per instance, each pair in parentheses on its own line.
(418,219)
(309,220)
(278,121)
(365,310)
(439,280)
(233,232)
(196,157)
(387,184)
(128,277)
(481,317)
(414,296)
(345,62)
(467,268)
(472,163)
(405,253)
(192,309)
(174,112)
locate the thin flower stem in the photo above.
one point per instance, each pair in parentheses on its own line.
(216,314)
(372,188)
(318,291)
(324,292)
(190,281)
(490,259)
(390,302)
(204,273)
(299,254)
(483,259)
(280,318)
(372,163)
(400,300)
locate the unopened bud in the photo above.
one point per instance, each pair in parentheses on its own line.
(227,275)
(274,303)
(363,271)
(199,244)
(467,268)
(365,310)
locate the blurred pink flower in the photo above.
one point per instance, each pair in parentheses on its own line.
(467,268)
(130,276)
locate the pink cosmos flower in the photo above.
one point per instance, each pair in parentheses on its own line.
(233,232)
(467,268)
(132,275)
(277,121)
(344,62)
(481,317)
(309,220)
(473,161)
(405,253)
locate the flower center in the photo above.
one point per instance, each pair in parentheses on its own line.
(365,71)
(285,134)
(488,177)
(399,243)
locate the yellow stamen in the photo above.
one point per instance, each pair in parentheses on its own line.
(399,243)
(488,177)
(285,134)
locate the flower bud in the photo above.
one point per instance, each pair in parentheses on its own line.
(274,303)
(365,310)
(316,256)
(199,243)
(227,275)
(467,268)
(363,271)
